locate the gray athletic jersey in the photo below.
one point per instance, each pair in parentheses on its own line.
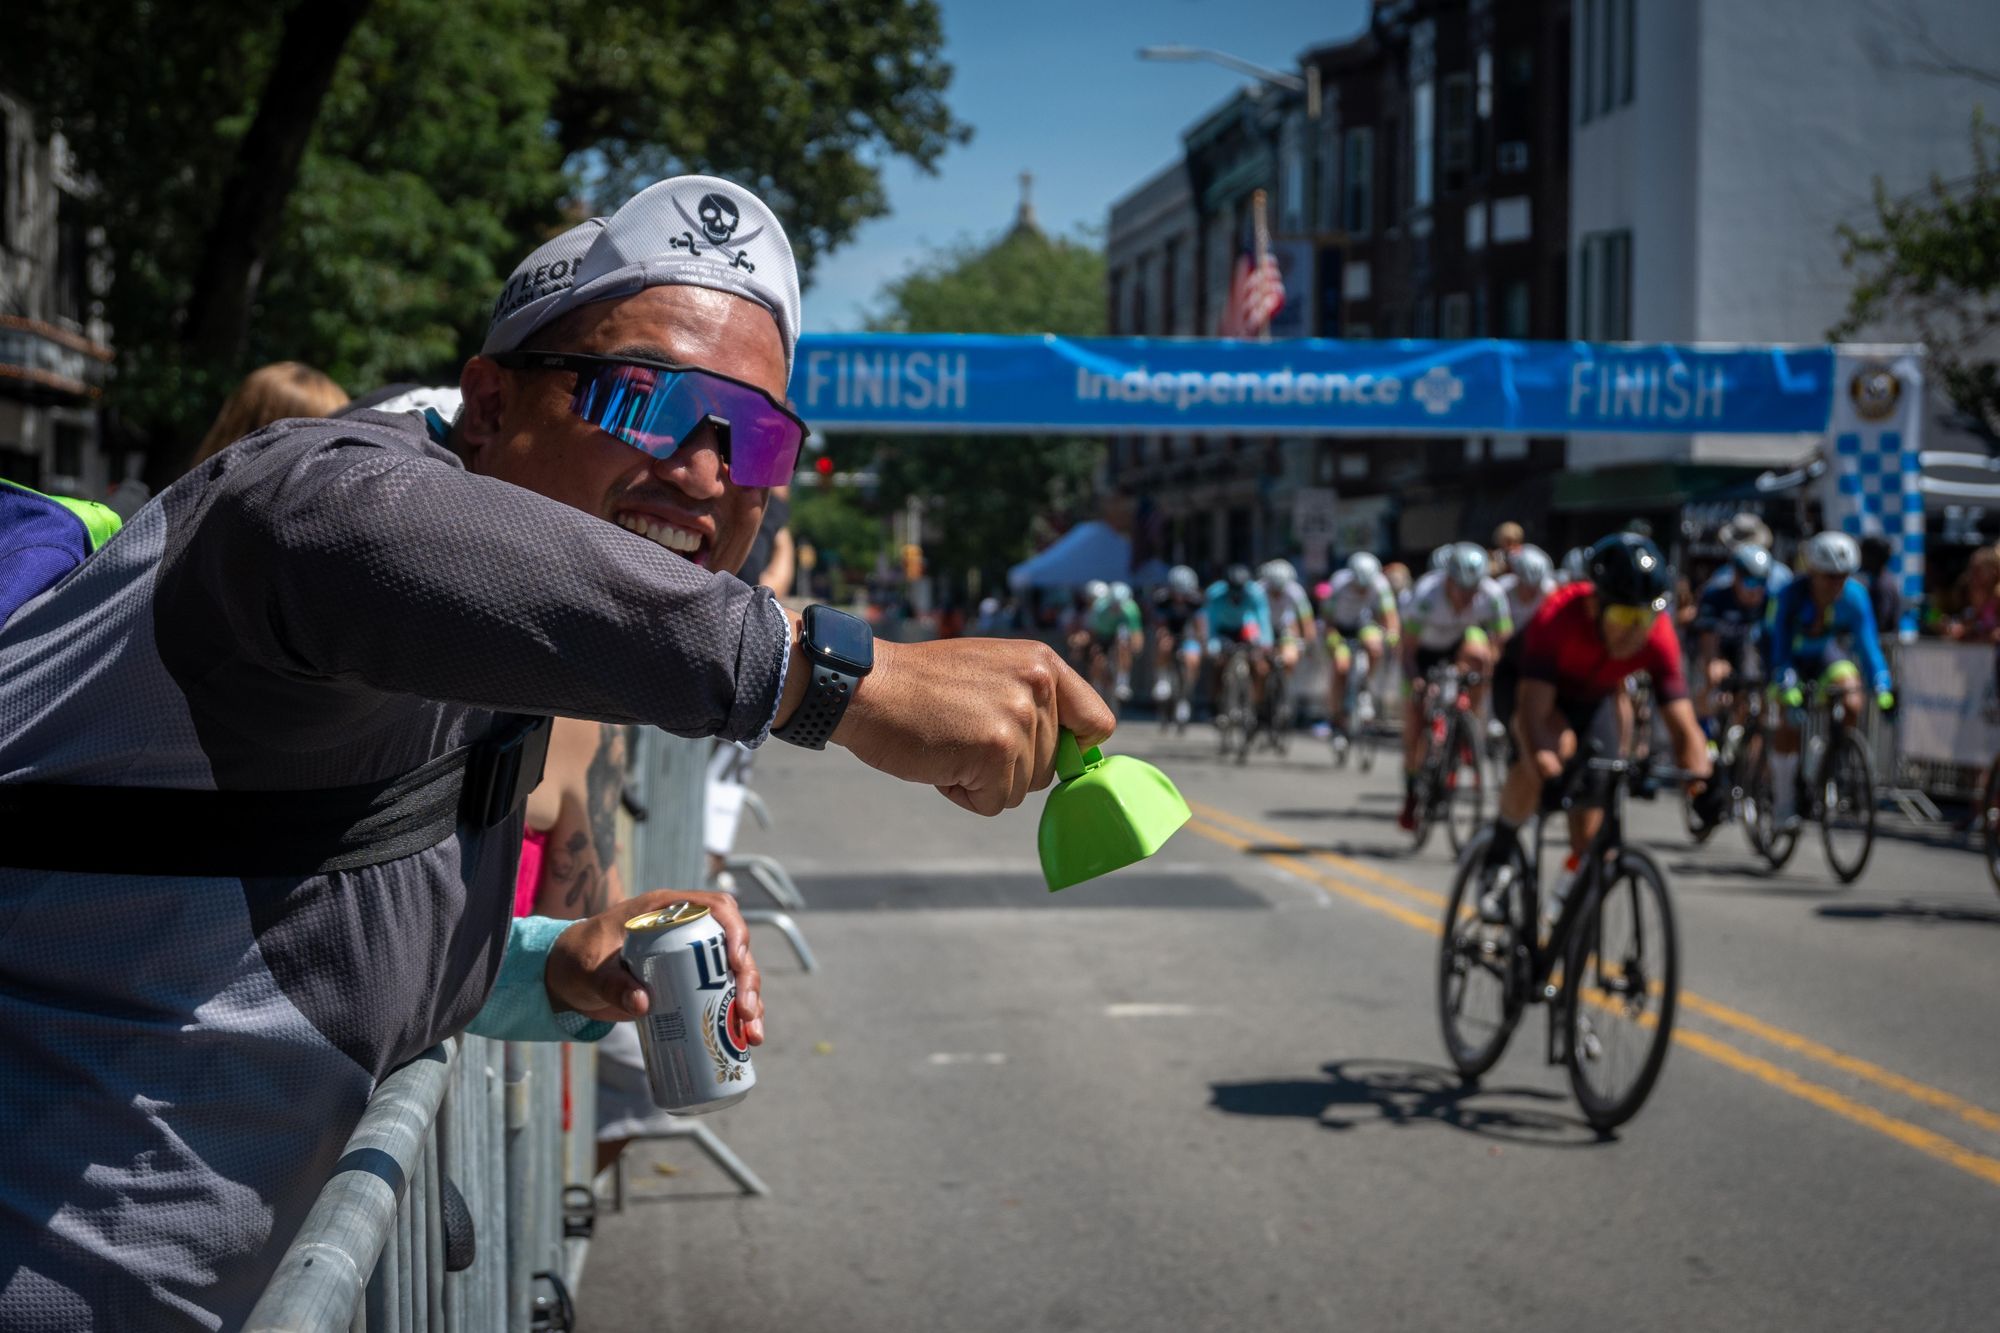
(322,604)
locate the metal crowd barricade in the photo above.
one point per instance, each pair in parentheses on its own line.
(465,1197)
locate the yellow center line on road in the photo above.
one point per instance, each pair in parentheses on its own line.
(1902,1131)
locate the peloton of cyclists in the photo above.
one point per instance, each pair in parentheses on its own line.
(1456,614)
(1810,620)
(1362,626)
(1179,629)
(1555,683)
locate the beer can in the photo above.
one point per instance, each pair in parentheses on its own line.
(692,1039)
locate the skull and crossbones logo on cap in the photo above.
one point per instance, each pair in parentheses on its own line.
(716,218)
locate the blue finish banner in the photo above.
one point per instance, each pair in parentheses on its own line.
(978,383)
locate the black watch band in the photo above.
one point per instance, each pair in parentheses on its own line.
(827,696)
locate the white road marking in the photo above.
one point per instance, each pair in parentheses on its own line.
(968,1057)
(1151,1010)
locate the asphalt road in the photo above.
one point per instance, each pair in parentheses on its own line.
(1208,1093)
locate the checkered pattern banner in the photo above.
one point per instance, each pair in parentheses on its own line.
(1876,477)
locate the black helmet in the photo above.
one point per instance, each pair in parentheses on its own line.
(1238,577)
(1628,570)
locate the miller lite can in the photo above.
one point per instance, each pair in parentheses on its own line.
(697,1058)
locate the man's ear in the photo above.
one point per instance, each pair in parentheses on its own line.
(483,387)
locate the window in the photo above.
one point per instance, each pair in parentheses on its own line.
(1604,286)
(72,286)
(1455,147)
(6,179)
(1455,317)
(1138,324)
(1426,322)
(1170,281)
(1292,186)
(1480,323)
(1475,226)
(1326,207)
(1354,280)
(1423,144)
(1586,53)
(1607,38)
(1485,79)
(1357,184)
(1512,220)
(1514,318)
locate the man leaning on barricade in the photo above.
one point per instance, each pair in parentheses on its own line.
(262,757)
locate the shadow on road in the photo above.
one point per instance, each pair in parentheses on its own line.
(1361,1092)
(1911,911)
(1762,883)
(1385,851)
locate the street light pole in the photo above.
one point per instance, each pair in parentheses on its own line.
(1291,83)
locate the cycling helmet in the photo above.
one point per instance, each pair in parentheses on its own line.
(1573,568)
(1628,570)
(1278,574)
(1442,556)
(1531,565)
(1183,580)
(1752,564)
(1238,577)
(1121,592)
(1465,564)
(1364,567)
(1833,553)
(1096,590)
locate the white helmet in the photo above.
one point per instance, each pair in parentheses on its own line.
(1833,553)
(1097,590)
(1121,592)
(1278,574)
(1184,580)
(1465,564)
(1531,564)
(1442,556)
(1573,566)
(1364,567)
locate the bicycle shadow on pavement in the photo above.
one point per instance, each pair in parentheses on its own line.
(1361,1092)
(1910,910)
(1762,882)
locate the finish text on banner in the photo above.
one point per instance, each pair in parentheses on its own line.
(958,383)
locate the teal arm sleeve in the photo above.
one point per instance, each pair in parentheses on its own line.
(519,1009)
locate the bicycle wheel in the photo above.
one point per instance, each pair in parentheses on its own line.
(1990,810)
(1464,783)
(1775,847)
(1481,970)
(1847,823)
(1365,744)
(1429,777)
(1621,979)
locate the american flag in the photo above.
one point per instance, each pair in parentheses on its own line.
(1256,288)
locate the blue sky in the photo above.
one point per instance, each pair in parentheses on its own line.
(1055,87)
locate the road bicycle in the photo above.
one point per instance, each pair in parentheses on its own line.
(1451,786)
(1835,787)
(1608,965)
(1235,713)
(1359,740)
(1739,700)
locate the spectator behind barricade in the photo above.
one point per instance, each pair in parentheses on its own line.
(322,611)
(276,392)
(1975,616)
(1883,592)
(1508,538)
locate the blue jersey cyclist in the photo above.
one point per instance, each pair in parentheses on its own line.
(1729,620)
(1240,613)
(1809,621)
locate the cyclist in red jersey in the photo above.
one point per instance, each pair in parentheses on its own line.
(1556,680)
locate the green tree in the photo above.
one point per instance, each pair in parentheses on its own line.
(1930,263)
(347,182)
(983,495)
(837,526)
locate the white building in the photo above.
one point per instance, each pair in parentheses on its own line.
(1718,145)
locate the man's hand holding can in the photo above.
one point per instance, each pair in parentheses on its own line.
(587,974)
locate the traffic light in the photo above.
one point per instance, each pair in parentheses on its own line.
(824,466)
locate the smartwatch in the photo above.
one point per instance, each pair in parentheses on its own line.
(840,650)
